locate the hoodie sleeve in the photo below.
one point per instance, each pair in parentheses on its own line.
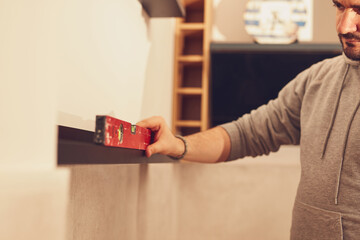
(276,123)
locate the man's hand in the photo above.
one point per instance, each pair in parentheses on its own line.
(209,146)
(164,141)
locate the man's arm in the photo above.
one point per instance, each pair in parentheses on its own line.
(210,146)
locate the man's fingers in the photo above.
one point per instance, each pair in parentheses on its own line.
(148,152)
(162,139)
(153,149)
(153,123)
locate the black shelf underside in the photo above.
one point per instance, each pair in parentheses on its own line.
(76,146)
(163,8)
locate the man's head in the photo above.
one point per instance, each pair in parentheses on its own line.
(348,26)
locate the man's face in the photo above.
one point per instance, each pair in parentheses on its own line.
(347,26)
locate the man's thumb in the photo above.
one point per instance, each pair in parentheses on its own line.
(152,149)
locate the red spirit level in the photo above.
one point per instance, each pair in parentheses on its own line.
(117,133)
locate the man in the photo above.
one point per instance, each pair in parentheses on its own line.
(319,110)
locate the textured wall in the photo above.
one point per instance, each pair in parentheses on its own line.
(122,202)
(246,199)
(34,194)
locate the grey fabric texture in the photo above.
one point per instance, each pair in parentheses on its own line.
(319,110)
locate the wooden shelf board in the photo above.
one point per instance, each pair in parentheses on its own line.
(191,28)
(189,91)
(196,4)
(188,123)
(163,8)
(191,58)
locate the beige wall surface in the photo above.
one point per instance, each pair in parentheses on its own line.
(245,199)
(34,194)
(28,83)
(33,204)
(122,202)
(228,21)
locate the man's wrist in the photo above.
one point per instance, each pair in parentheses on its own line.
(183,150)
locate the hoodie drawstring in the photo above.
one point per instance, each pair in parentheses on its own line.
(344,150)
(334,114)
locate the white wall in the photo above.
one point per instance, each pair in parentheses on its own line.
(114,60)
(33,192)
(157,89)
(28,83)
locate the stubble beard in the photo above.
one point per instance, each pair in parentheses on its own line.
(352,51)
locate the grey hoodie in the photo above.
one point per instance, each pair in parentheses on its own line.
(319,110)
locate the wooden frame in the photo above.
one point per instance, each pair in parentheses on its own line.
(190,53)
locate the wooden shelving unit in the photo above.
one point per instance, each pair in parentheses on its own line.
(191,70)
